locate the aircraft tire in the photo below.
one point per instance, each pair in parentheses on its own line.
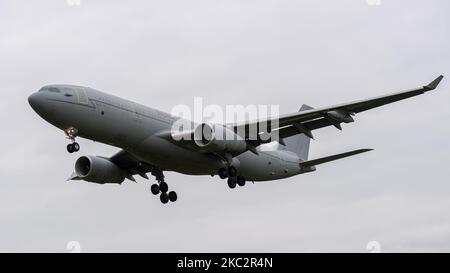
(173,196)
(163,187)
(231,183)
(241,180)
(154,189)
(75,147)
(70,148)
(232,171)
(164,198)
(223,173)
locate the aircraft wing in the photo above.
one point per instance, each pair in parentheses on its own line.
(128,163)
(307,120)
(131,164)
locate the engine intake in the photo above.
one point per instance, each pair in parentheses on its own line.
(98,170)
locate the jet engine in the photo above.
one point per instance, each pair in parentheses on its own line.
(98,170)
(218,138)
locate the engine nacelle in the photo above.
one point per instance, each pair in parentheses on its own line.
(218,138)
(98,170)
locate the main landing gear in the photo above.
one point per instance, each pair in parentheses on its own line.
(233,178)
(162,188)
(71,134)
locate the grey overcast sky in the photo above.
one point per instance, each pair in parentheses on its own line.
(163,53)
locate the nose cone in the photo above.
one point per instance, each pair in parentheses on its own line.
(41,105)
(36,101)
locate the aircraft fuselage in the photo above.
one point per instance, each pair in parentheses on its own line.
(134,128)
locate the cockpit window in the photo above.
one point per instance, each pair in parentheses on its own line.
(54,90)
(50,89)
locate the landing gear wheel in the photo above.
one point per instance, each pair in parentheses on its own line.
(163,187)
(232,182)
(75,147)
(173,196)
(155,189)
(223,173)
(164,198)
(232,171)
(70,148)
(241,181)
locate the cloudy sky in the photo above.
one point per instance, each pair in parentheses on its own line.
(164,53)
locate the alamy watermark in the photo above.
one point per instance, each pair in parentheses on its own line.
(374,247)
(73,247)
(373,2)
(232,122)
(73,3)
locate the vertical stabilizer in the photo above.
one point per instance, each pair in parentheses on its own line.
(299,144)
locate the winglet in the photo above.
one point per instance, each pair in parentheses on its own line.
(432,85)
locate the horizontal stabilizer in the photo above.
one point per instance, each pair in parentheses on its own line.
(326,159)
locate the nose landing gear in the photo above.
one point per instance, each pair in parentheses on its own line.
(71,133)
(73,147)
(162,188)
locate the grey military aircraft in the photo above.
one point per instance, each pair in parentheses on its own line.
(149,144)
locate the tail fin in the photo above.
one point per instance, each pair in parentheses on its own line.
(299,144)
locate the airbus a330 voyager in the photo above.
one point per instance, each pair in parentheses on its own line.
(149,145)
